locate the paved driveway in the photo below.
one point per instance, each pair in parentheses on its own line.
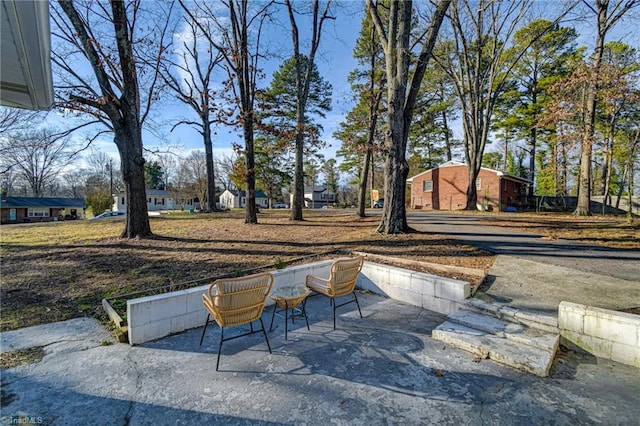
(536,273)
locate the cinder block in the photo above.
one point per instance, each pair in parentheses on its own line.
(407,296)
(423,284)
(593,345)
(365,283)
(195,319)
(400,278)
(299,277)
(147,332)
(194,299)
(379,274)
(570,319)
(609,327)
(441,306)
(452,289)
(629,355)
(177,324)
(175,304)
(282,278)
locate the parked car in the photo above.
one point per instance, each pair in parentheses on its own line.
(378,204)
(280,206)
(109,215)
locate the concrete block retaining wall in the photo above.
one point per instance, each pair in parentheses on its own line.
(153,317)
(601,332)
(438,294)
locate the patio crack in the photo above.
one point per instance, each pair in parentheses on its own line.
(138,386)
(483,398)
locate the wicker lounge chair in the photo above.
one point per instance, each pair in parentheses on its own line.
(237,301)
(341,282)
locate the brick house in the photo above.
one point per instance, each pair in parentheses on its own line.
(445,187)
(37,209)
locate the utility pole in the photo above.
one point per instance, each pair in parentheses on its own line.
(111,176)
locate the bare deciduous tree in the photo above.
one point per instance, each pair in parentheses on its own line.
(123,44)
(238,41)
(190,76)
(395,40)
(607,16)
(477,63)
(36,158)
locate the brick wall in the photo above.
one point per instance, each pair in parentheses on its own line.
(450,188)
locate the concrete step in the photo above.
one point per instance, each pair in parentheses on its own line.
(516,332)
(548,323)
(508,352)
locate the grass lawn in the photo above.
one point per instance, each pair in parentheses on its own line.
(56,271)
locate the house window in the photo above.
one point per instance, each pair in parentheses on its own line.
(122,201)
(162,202)
(478,183)
(505,184)
(327,197)
(38,212)
(149,201)
(427,186)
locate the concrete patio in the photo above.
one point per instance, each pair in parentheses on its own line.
(383,369)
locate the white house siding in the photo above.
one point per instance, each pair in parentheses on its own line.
(156,200)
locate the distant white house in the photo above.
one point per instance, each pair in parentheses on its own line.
(157,199)
(233,199)
(316,198)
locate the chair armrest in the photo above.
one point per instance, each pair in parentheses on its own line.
(319,285)
(211,307)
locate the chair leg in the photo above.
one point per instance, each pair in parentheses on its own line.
(265,335)
(220,347)
(204,329)
(356,297)
(273,315)
(334,313)
(304,313)
(286,320)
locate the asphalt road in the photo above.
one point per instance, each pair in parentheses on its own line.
(536,274)
(618,263)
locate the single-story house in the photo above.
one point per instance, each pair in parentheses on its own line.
(233,199)
(40,209)
(445,188)
(316,198)
(157,199)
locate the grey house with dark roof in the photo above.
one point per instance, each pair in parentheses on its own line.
(35,209)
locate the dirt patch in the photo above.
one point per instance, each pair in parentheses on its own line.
(21,357)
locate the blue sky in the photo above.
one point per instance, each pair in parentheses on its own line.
(334,61)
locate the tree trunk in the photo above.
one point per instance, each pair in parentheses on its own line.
(584,187)
(129,145)
(298,179)
(472,191)
(364,180)
(208,150)
(401,102)
(447,136)
(251,213)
